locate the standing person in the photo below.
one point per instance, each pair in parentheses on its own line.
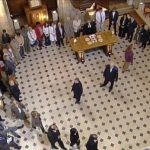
(10,66)
(100,18)
(68,29)
(39,34)
(15,49)
(126,25)
(24,32)
(77,90)
(54,136)
(76,26)
(131,29)
(52,30)
(19,38)
(46,33)
(60,34)
(110,74)
(144,37)
(18,110)
(113,17)
(88,28)
(128,57)
(92,143)
(122,25)
(36,121)
(15,91)
(5,37)
(32,38)
(74,138)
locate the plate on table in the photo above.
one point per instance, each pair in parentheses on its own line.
(89,43)
(87,39)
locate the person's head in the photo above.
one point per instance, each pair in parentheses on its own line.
(22,27)
(76,80)
(5,57)
(14,102)
(100,9)
(30,29)
(88,21)
(34,114)
(130,47)
(17,33)
(4,31)
(37,23)
(112,65)
(128,16)
(54,126)
(11,83)
(59,24)
(73,131)
(114,9)
(46,24)
(125,15)
(146,27)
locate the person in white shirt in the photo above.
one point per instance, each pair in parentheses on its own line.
(32,38)
(76,26)
(46,34)
(100,18)
(52,31)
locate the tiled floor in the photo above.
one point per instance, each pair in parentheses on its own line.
(120,118)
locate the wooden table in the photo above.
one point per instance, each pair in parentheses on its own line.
(80,46)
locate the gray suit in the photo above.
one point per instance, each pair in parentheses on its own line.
(19,111)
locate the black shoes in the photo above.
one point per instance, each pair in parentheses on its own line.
(20,127)
(77,102)
(55,147)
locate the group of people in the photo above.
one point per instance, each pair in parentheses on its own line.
(15,48)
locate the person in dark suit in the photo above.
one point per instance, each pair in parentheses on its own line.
(60,34)
(122,25)
(74,137)
(54,136)
(92,143)
(113,17)
(77,90)
(131,29)
(5,37)
(110,74)
(88,28)
(36,121)
(15,91)
(144,37)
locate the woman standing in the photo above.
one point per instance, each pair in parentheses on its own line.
(128,58)
(52,30)
(24,33)
(46,34)
(36,121)
(77,90)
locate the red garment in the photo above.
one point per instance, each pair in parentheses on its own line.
(38,32)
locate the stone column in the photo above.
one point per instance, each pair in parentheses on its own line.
(5,20)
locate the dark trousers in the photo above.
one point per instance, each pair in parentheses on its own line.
(114,26)
(121,29)
(60,142)
(143,45)
(47,41)
(16,96)
(60,42)
(75,142)
(40,43)
(129,36)
(76,34)
(22,51)
(106,82)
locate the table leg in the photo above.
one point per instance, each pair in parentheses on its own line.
(81,57)
(109,50)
